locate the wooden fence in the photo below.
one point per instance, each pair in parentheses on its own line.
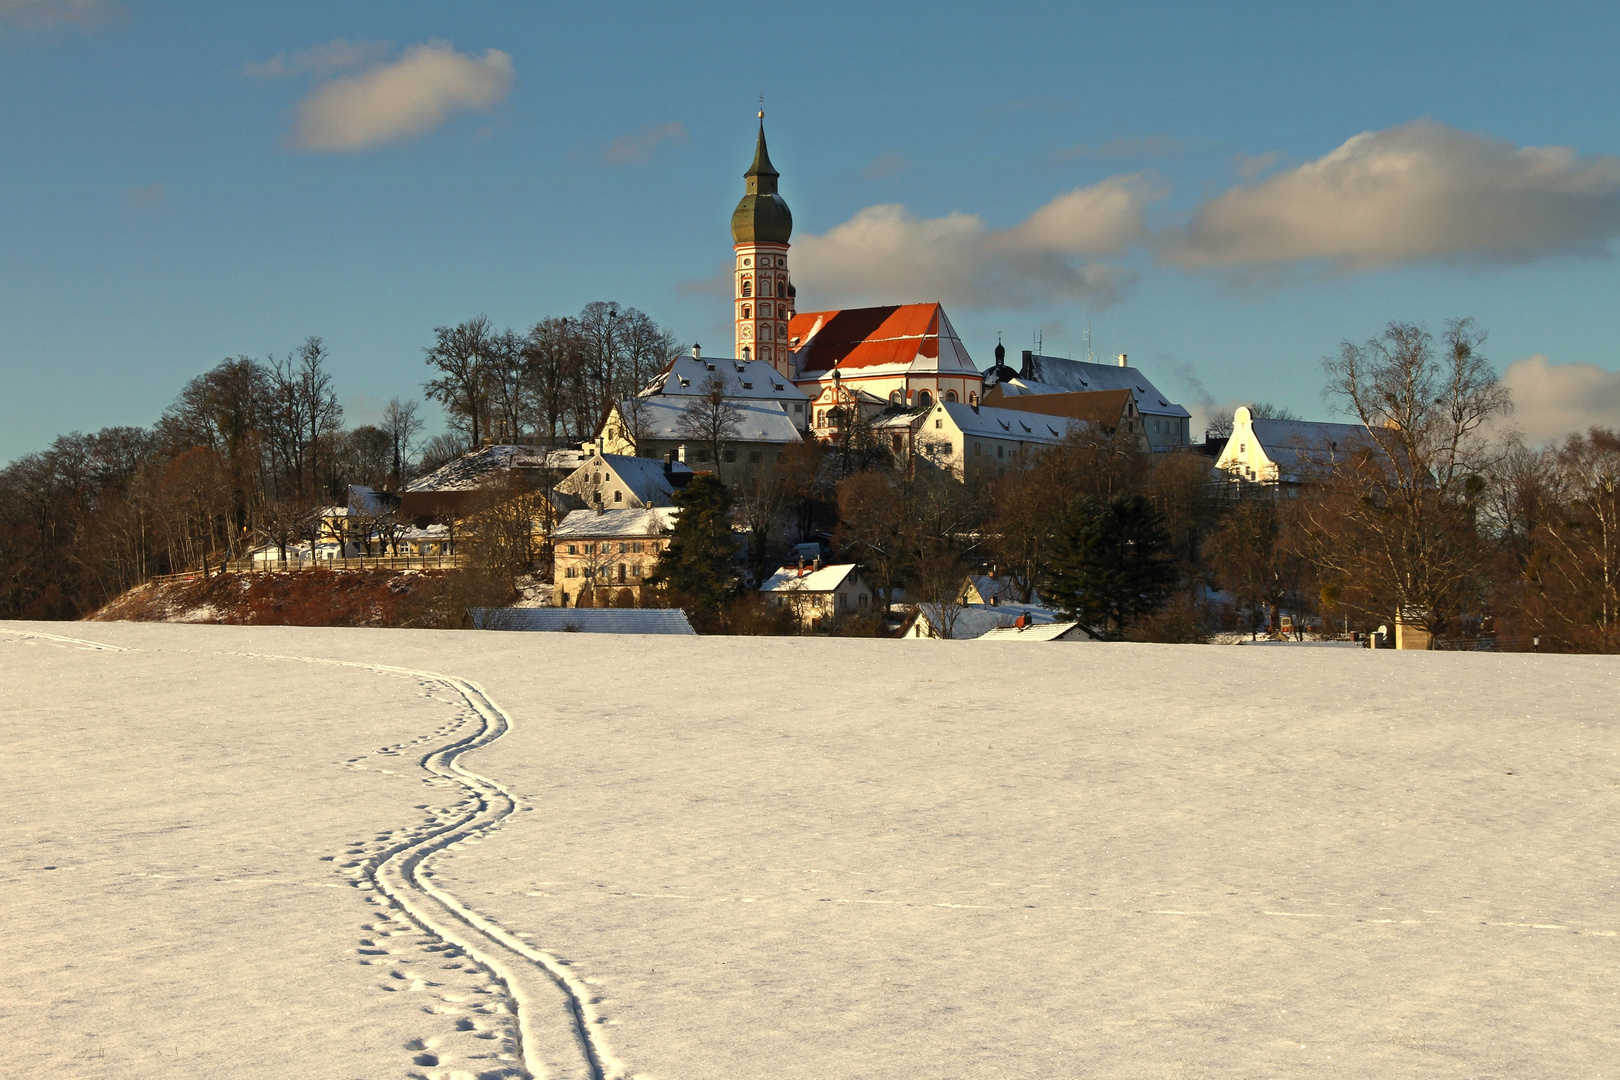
(294,566)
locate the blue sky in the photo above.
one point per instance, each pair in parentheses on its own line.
(183,182)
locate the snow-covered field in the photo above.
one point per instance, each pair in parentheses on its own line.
(244,852)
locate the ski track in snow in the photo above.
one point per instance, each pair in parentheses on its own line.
(559,1032)
(81,642)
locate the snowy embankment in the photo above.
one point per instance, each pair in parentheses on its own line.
(724,857)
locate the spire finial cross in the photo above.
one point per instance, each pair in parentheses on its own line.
(762,105)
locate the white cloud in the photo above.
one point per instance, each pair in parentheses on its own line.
(1554,400)
(339,55)
(400,100)
(42,14)
(1417,192)
(639,147)
(887,254)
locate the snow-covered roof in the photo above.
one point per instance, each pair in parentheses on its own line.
(590,525)
(584,620)
(1296,444)
(826,579)
(365,501)
(431,532)
(473,470)
(644,478)
(1056,375)
(757,421)
(686,375)
(1052,631)
(1008,423)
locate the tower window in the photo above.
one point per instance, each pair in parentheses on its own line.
(748,287)
(748,312)
(748,262)
(765,286)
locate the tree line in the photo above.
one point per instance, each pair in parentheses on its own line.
(250,450)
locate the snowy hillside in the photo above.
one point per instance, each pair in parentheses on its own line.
(282,852)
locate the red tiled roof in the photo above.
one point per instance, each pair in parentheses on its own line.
(865,337)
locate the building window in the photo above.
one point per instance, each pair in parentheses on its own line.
(764,286)
(621,573)
(896,397)
(748,262)
(975,449)
(636,547)
(950,395)
(939,423)
(924,398)
(764,311)
(748,287)
(731,455)
(1000,451)
(572,550)
(798,406)
(590,571)
(618,496)
(781,456)
(748,312)
(572,572)
(753,457)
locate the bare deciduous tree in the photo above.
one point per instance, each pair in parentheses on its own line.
(1399,539)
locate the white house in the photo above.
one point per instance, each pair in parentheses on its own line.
(980,442)
(818,593)
(1287,451)
(619,482)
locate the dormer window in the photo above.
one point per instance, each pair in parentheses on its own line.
(748,386)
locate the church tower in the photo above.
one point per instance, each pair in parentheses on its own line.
(762,294)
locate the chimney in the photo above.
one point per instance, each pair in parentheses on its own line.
(697,351)
(1027,371)
(669,462)
(1122,362)
(817,564)
(680,453)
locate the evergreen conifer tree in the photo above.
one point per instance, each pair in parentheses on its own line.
(1109,563)
(697,567)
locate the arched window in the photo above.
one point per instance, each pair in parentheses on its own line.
(748,287)
(748,312)
(973,399)
(764,286)
(821,418)
(745,353)
(897,397)
(924,398)
(950,395)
